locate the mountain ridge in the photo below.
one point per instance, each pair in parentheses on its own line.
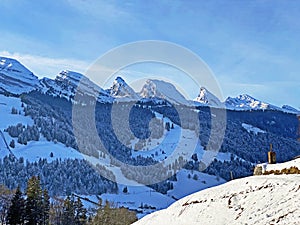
(17,79)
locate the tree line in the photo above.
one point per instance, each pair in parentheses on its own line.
(35,207)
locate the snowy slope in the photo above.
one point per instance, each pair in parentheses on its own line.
(15,78)
(121,90)
(253,200)
(195,181)
(162,90)
(207,98)
(6,118)
(142,195)
(34,150)
(252,129)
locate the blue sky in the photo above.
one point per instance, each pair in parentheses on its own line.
(252,47)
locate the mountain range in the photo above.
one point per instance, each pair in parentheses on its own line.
(38,125)
(16,79)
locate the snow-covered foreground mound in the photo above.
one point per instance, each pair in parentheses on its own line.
(272,199)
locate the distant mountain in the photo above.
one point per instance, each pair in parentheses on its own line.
(67,83)
(207,98)
(247,102)
(290,108)
(16,78)
(264,199)
(162,90)
(121,90)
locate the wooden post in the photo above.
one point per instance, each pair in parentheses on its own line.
(298,133)
(271,156)
(231,175)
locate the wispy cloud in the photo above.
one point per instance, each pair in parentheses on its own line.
(47,67)
(105,10)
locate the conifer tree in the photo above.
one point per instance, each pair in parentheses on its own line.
(34,202)
(80,213)
(5,202)
(45,207)
(68,216)
(16,212)
(56,211)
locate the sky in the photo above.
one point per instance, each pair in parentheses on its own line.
(252,47)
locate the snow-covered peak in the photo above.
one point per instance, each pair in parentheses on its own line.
(70,77)
(207,98)
(12,65)
(120,89)
(245,102)
(162,90)
(67,83)
(16,78)
(119,80)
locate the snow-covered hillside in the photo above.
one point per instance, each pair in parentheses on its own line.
(269,199)
(16,78)
(137,194)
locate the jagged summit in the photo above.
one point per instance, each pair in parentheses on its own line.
(207,98)
(120,89)
(162,90)
(16,78)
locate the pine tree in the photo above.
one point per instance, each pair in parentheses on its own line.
(80,213)
(56,211)
(34,202)
(45,207)
(68,216)
(167,126)
(5,202)
(16,212)
(12,143)
(125,190)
